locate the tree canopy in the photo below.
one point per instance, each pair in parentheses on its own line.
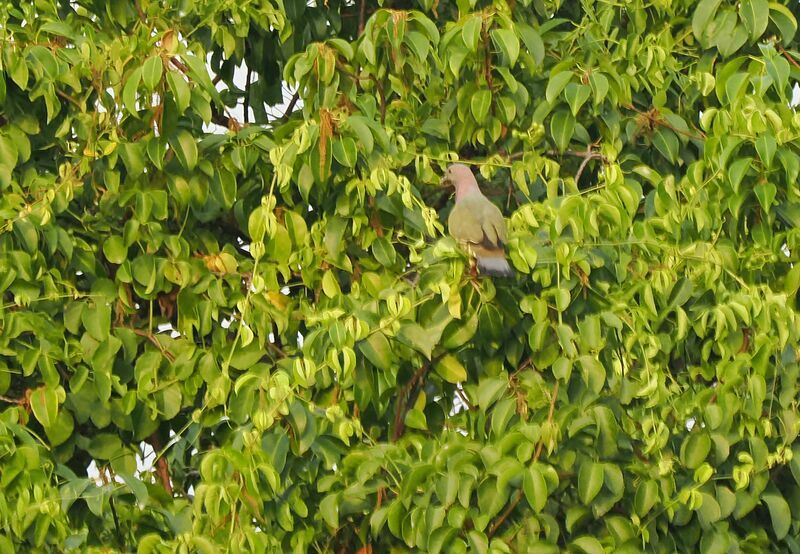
(225,284)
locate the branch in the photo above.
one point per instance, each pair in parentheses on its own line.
(179,64)
(788,56)
(518,496)
(70,99)
(20,401)
(362,16)
(152,338)
(585,162)
(465,399)
(162,467)
(247,95)
(510,508)
(402,399)
(290,106)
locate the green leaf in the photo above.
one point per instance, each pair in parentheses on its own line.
(105,446)
(181,92)
(384,252)
(599,84)
(755,16)
(378,351)
(138,488)
(344,151)
(450,369)
(532,40)
(415,419)
(490,389)
(330,285)
(779,513)
(61,431)
(508,44)
(766,147)
(329,509)
(588,545)
(130,89)
(590,481)
(695,449)
(556,84)
(766,193)
(562,126)
(480,103)
(359,126)
(535,488)
(576,95)
(784,20)
(115,250)
(44,404)
(703,15)
(152,71)
(778,68)
(417,338)
(471,32)
(737,170)
(667,144)
(646,497)
(185,148)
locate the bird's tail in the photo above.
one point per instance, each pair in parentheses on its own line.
(496,266)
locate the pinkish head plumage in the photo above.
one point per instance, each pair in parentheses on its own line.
(462,179)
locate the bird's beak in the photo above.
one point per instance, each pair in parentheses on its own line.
(446,182)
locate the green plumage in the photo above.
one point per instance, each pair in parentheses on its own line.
(475,220)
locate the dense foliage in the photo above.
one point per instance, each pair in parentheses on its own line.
(269,301)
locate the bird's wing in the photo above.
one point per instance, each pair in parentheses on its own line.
(477,221)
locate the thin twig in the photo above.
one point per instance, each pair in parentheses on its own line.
(19,401)
(69,98)
(120,539)
(549,420)
(179,64)
(290,105)
(585,162)
(152,338)
(162,467)
(362,16)
(465,399)
(510,508)
(788,56)
(402,399)
(518,496)
(247,95)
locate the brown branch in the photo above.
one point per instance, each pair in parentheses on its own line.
(362,16)
(20,401)
(518,496)
(510,508)
(152,338)
(70,99)
(179,64)
(658,120)
(585,162)
(290,106)
(788,56)
(402,399)
(247,94)
(465,399)
(139,11)
(162,467)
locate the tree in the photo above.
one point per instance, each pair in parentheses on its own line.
(268,302)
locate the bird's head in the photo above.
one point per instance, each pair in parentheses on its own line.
(460,177)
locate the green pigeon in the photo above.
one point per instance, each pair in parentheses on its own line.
(477,223)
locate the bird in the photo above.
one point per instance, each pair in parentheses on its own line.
(476,223)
